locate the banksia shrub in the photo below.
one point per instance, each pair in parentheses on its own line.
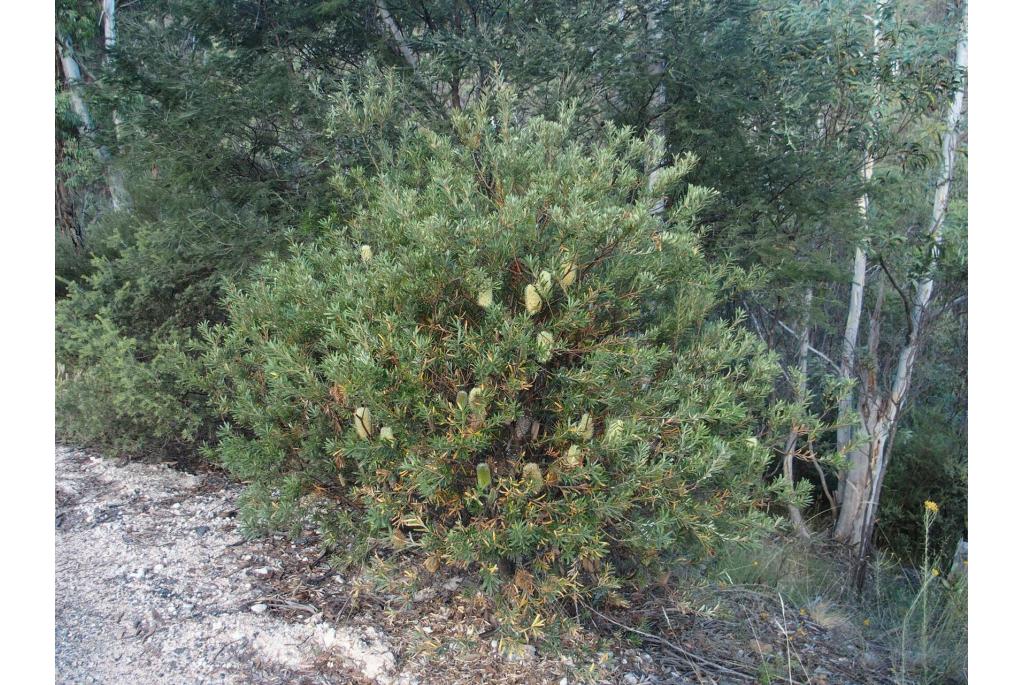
(559,406)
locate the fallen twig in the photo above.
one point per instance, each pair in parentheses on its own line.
(679,650)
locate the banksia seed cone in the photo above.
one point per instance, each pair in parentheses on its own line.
(533,300)
(522,427)
(366,253)
(545,344)
(585,427)
(387,435)
(483,476)
(363,421)
(533,477)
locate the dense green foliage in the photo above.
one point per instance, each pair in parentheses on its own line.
(332,211)
(471,363)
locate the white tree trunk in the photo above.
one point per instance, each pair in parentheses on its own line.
(396,33)
(847,362)
(656,69)
(109,44)
(880,408)
(73,75)
(846,434)
(109,24)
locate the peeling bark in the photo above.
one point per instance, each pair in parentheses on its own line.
(881,407)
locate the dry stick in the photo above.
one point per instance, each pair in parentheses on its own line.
(676,648)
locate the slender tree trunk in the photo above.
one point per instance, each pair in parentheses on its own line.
(109,45)
(795,516)
(453,99)
(109,24)
(656,106)
(850,336)
(119,197)
(881,407)
(848,360)
(396,34)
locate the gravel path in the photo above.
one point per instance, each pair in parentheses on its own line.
(155,585)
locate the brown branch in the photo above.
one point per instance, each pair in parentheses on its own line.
(903,295)
(678,650)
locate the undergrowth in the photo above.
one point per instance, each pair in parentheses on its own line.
(917,615)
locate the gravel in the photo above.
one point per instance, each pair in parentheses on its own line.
(155,585)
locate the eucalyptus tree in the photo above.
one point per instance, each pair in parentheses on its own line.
(882,400)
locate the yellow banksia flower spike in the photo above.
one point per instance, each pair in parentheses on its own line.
(363,421)
(533,300)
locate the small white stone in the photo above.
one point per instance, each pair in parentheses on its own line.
(258,608)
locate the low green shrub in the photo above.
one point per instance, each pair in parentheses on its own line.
(505,360)
(109,395)
(121,326)
(148,276)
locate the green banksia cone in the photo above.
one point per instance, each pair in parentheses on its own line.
(363,421)
(533,477)
(533,300)
(387,435)
(483,476)
(366,253)
(486,297)
(568,273)
(585,427)
(462,399)
(572,457)
(545,344)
